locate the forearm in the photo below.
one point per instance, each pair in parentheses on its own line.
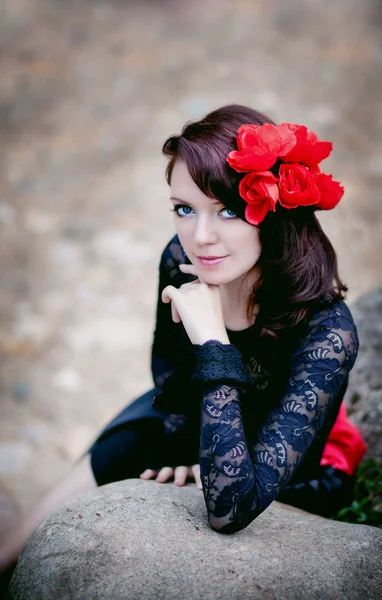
(227,472)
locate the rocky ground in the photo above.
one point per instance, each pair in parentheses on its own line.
(89,91)
(137,539)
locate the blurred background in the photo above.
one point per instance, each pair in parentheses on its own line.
(89,90)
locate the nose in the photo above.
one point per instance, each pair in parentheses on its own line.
(205,230)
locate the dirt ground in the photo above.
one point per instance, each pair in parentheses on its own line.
(89,90)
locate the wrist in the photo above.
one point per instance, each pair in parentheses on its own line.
(222,338)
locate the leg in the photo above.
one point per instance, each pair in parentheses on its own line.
(123,453)
(79,480)
(325,495)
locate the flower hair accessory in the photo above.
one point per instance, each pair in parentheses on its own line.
(299,181)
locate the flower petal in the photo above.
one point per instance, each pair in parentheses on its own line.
(251,159)
(287,139)
(308,150)
(331,191)
(297,186)
(255,213)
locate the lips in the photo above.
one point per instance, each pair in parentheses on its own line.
(209,261)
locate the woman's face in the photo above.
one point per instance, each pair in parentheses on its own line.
(207,229)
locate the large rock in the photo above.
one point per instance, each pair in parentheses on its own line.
(137,539)
(364,394)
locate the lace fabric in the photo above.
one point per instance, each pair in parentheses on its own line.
(214,361)
(256,427)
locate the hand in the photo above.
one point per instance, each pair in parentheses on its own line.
(198,307)
(180,475)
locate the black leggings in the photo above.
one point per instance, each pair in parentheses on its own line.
(126,451)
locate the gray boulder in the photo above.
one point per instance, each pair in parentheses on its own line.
(140,539)
(364,394)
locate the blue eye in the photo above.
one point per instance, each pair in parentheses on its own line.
(187,210)
(183,210)
(231,214)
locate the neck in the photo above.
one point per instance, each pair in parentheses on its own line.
(234,297)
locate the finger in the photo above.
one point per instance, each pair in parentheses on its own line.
(165,474)
(175,315)
(191,270)
(196,473)
(188,269)
(180,475)
(148,474)
(168,293)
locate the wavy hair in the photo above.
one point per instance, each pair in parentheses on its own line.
(297,267)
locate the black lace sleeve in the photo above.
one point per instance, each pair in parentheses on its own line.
(243,472)
(167,334)
(169,356)
(164,340)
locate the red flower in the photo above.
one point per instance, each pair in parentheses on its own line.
(308,150)
(260,146)
(261,193)
(331,191)
(297,186)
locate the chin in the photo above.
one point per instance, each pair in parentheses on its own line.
(218,278)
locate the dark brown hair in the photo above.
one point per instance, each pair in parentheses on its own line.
(298,265)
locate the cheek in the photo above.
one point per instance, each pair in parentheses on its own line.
(256,248)
(185,237)
(248,244)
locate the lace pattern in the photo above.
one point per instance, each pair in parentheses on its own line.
(256,427)
(215,361)
(243,473)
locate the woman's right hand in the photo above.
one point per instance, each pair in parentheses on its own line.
(180,475)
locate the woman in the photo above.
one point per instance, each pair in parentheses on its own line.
(253,343)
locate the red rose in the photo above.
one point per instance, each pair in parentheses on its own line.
(331,191)
(261,192)
(308,150)
(260,146)
(297,186)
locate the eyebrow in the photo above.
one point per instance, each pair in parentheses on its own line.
(213,200)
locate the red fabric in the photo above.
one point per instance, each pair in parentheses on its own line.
(344,447)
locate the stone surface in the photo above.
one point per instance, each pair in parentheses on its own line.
(145,540)
(364,394)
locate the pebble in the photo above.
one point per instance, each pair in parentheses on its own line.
(67,379)
(21,390)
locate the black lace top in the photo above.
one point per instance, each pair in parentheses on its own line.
(263,424)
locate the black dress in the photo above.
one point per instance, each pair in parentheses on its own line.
(256,424)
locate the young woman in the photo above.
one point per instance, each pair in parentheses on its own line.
(253,342)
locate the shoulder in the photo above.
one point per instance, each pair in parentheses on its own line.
(331,332)
(335,316)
